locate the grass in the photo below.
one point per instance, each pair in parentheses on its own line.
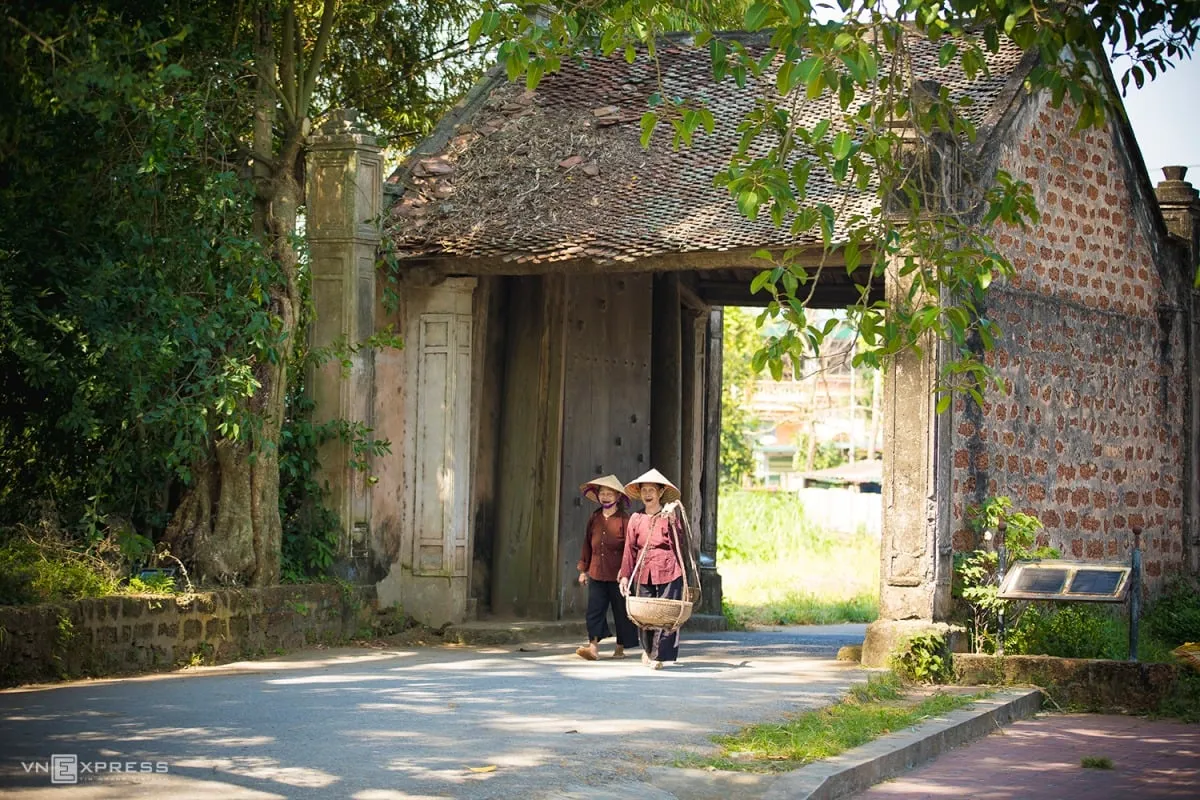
(778,568)
(865,713)
(1096,762)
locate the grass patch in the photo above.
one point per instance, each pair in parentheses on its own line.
(778,568)
(866,712)
(1096,762)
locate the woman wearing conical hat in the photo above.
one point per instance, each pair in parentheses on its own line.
(659,531)
(603,548)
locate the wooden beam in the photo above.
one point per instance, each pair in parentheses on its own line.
(737,293)
(742,258)
(689,297)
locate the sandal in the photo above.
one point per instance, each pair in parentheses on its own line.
(620,653)
(586,653)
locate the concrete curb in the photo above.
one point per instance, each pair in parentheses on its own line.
(867,765)
(860,768)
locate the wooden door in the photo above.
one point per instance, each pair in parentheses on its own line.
(606,404)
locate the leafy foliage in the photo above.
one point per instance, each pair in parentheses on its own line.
(44,568)
(741,340)
(925,658)
(977,573)
(1074,630)
(151,286)
(1175,616)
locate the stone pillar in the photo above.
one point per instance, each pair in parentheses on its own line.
(1180,205)
(344,197)
(914,580)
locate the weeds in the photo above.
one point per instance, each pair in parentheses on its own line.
(865,713)
(1096,762)
(778,568)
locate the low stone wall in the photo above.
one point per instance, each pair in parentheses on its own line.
(114,635)
(1077,683)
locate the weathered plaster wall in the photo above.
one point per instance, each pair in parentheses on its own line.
(1090,438)
(111,635)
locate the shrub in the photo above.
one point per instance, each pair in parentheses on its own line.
(46,570)
(1175,617)
(924,658)
(1070,631)
(976,574)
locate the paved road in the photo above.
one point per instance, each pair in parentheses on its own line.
(415,723)
(1041,759)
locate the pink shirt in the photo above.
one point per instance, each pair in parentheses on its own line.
(653,533)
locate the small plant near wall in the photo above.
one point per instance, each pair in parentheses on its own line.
(976,574)
(925,658)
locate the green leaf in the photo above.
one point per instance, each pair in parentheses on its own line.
(842,144)
(649,121)
(795,13)
(946,53)
(756,15)
(760,280)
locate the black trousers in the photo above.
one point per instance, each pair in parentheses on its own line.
(601,596)
(661,645)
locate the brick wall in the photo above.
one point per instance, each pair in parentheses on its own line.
(1090,439)
(111,635)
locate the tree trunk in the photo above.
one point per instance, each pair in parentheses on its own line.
(228,523)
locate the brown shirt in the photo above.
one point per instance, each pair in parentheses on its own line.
(603,545)
(655,533)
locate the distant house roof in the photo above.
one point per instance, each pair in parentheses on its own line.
(859,472)
(559,174)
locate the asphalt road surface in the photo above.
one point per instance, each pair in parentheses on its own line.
(528,721)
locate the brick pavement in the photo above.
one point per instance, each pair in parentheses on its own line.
(1039,759)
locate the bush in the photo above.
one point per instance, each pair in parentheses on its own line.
(48,571)
(1070,631)
(976,574)
(1175,617)
(925,658)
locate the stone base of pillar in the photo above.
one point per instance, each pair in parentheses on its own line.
(710,585)
(886,636)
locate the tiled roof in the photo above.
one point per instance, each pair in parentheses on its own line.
(559,174)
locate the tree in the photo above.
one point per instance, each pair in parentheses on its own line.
(889,136)
(741,340)
(193,119)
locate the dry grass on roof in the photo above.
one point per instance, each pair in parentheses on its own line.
(519,168)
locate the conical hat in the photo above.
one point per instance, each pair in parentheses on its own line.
(653,476)
(591,489)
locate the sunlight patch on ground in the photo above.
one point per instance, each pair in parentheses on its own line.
(263,769)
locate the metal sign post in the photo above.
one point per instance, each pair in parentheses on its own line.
(1135,592)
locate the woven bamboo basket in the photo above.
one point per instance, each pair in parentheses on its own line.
(658,612)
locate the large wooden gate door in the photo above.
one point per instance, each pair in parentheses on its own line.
(606,404)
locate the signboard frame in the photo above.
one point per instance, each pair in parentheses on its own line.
(1069,570)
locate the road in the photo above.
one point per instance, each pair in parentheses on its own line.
(531,721)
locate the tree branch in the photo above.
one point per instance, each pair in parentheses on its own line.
(287,62)
(328,14)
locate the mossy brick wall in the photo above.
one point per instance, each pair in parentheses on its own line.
(1077,683)
(1091,437)
(113,635)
